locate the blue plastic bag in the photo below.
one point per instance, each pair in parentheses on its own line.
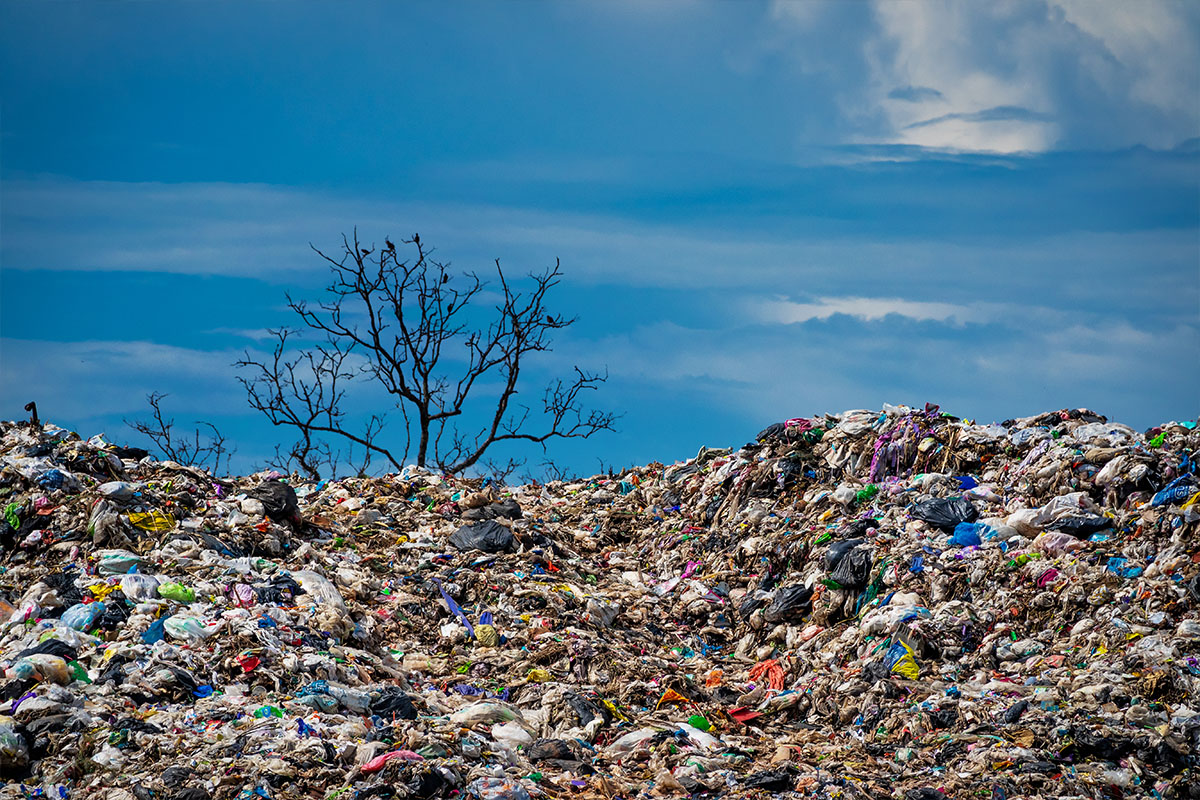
(156,632)
(1177,490)
(966,534)
(81,615)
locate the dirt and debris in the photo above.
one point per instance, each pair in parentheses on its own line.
(892,603)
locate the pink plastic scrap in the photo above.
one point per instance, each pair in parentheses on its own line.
(376,764)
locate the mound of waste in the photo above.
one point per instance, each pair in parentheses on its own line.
(873,604)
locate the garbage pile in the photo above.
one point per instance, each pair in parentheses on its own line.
(873,604)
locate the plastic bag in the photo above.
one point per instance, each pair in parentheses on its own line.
(139,588)
(967,534)
(854,570)
(278,499)
(900,660)
(1054,543)
(838,550)
(1080,526)
(1176,491)
(497,789)
(511,735)
(392,703)
(14,752)
(484,713)
(41,667)
(550,750)
(790,603)
(505,509)
(117,562)
(153,521)
(945,513)
(190,629)
(81,615)
(177,592)
(118,491)
(488,536)
(601,612)
(320,589)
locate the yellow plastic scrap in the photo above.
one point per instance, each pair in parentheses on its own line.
(539,675)
(156,521)
(906,665)
(101,590)
(1193,500)
(615,711)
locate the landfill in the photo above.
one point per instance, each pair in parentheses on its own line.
(892,603)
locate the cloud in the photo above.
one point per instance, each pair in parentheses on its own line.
(997,114)
(88,378)
(1014,364)
(906,250)
(865,308)
(1029,75)
(914,94)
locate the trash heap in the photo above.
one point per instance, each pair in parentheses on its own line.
(873,604)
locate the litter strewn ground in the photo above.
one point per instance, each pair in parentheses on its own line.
(873,604)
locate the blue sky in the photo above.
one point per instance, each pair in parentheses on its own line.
(763,210)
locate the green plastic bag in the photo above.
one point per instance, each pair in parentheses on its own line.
(177,592)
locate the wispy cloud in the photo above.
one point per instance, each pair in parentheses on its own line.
(914,94)
(945,75)
(997,114)
(865,308)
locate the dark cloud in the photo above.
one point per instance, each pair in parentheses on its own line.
(915,94)
(996,114)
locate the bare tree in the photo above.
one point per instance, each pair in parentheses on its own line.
(194,450)
(410,327)
(552,471)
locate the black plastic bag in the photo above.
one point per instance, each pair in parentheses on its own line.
(393,703)
(1081,526)
(838,550)
(791,602)
(752,602)
(924,794)
(1014,712)
(191,793)
(945,513)
(63,584)
(586,710)
(279,501)
(772,780)
(1103,748)
(489,536)
(854,570)
(51,647)
(281,589)
(175,776)
(505,509)
(771,432)
(858,527)
(425,784)
(942,717)
(550,750)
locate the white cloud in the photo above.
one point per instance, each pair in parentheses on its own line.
(1078,74)
(866,308)
(262,232)
(1149,43)
(90,378)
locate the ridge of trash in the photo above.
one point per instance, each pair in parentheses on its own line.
(873,604)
